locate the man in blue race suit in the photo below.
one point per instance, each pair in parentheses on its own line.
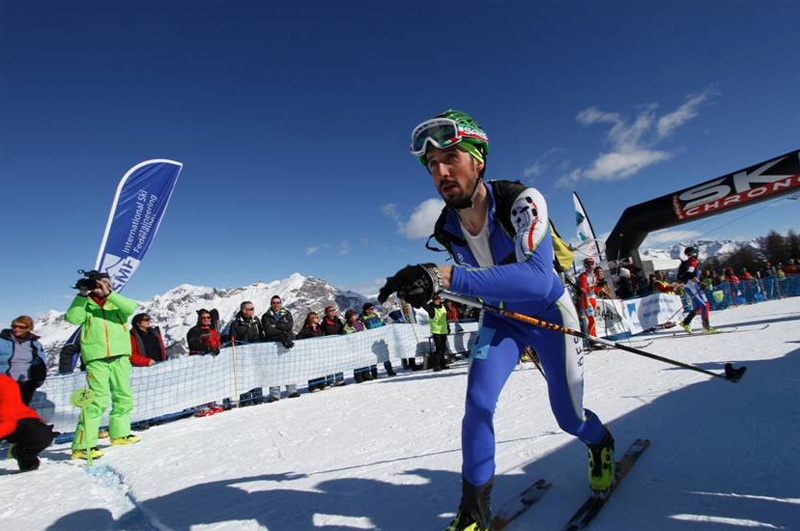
(498,234)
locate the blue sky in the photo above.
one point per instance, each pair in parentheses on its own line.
(293,122)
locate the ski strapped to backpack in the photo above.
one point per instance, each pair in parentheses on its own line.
(505,193)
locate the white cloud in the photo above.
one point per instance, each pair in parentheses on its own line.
(311,250)
(422,220)
(344,248)
(633,143)
(593,115)
(669,122)
(621,164)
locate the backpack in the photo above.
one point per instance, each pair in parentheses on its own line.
(504,192)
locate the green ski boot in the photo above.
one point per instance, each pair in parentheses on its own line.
(602,465)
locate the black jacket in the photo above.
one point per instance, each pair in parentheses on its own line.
(332,326)
(282,320)
(246,330)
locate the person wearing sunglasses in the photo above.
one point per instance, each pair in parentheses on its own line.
(499,236)
(22,357)
(147,344)
(105,342)
(203,337)
(278,325)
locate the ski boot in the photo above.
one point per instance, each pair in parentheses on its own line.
(474,512)
(128,439)
(602,465)
(687,327)
(78,453)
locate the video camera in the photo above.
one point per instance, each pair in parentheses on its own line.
(89,280)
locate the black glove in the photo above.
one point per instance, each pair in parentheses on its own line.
(416,284)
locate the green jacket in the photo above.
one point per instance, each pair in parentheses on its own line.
(104,332)
(438,319)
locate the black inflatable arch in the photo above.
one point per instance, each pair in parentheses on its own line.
(765,180)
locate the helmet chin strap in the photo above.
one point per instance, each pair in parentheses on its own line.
(467,201)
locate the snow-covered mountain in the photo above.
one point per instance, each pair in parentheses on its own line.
(176,310)
(706,249)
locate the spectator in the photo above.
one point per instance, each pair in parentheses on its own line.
(601,288)
(588,303)
(371,320)
(625,286)
(332,325)
(452,311)
(641,285)
(147,345)
(689,274)
(660,283)
(732,281)
(749,284)
(106,351)
(440,328)
(311,328)
(708,279)
(278,323)
(353,324)
(246,327)
(25,432)
(22,357)
(203,338)
(791,267)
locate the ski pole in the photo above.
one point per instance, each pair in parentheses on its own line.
(731,374)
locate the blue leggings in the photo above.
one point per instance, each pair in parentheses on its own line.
(494,355)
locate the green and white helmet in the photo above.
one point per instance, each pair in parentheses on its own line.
(450,128)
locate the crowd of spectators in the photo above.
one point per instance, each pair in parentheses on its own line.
(23,360)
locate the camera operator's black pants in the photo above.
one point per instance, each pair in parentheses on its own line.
(30,438)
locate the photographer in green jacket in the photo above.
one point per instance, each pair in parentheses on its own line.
(105,350)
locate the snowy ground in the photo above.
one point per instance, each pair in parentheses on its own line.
(385,454)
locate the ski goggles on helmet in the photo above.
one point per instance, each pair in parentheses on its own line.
(443,133)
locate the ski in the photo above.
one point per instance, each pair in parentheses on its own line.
(518,505)
(586,513)
(599,347)
(732,330)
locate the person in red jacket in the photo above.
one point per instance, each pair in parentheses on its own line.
(203,338)
(147,345)
(21,426)
(588,301)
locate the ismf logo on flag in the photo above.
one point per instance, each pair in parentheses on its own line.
(136,213)
(119,268)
